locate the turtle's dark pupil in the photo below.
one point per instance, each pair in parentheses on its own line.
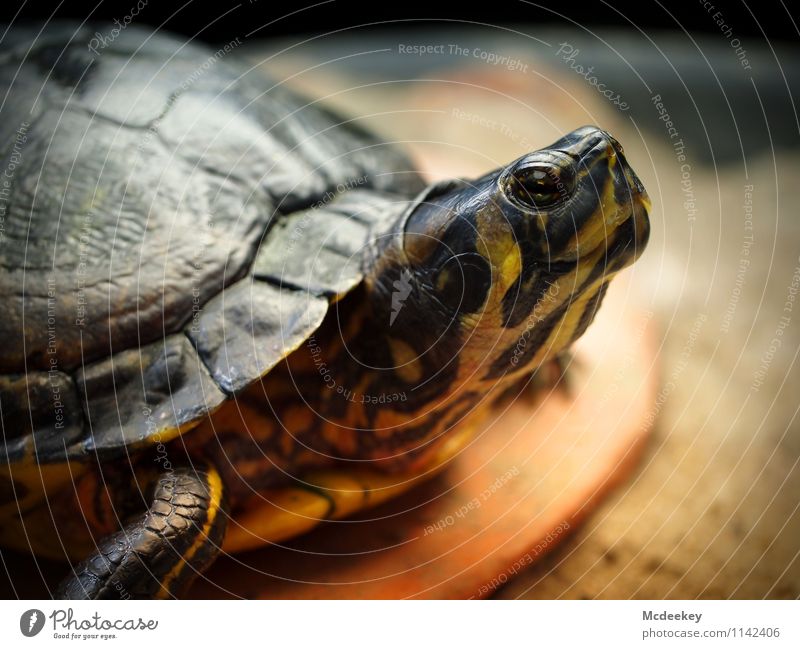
(540,185)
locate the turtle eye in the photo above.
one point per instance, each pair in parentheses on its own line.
(540,184)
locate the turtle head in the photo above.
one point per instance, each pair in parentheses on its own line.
(505,271)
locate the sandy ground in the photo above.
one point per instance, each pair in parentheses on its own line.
(713,509)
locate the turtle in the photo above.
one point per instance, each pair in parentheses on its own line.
(232,313)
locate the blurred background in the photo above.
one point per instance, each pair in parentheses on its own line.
(703,100)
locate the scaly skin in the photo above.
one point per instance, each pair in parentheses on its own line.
(498,277)
(159,554)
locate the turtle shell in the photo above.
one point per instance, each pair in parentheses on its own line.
(150,263)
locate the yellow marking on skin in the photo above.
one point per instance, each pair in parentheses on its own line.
(609,214)
(278,515)
(168,434)
(498,246)
(509,270)
(570,282)
(288,512)
(347,493)
(573,316)
(406,361)
(495,242)
(587,266)
(562,333)
(291,511)
(214,505)
(37,480)
(87,491)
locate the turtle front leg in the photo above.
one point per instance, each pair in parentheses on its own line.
(554,374)
(159,555)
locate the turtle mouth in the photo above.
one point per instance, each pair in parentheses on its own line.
(618,231)
(630,237)
(616,240)
(626,242)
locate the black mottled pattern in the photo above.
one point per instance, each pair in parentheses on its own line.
(524,349)
(589,312)
(467,280)
(522,296)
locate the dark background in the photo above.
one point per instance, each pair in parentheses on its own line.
(223,21)
(677,48)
